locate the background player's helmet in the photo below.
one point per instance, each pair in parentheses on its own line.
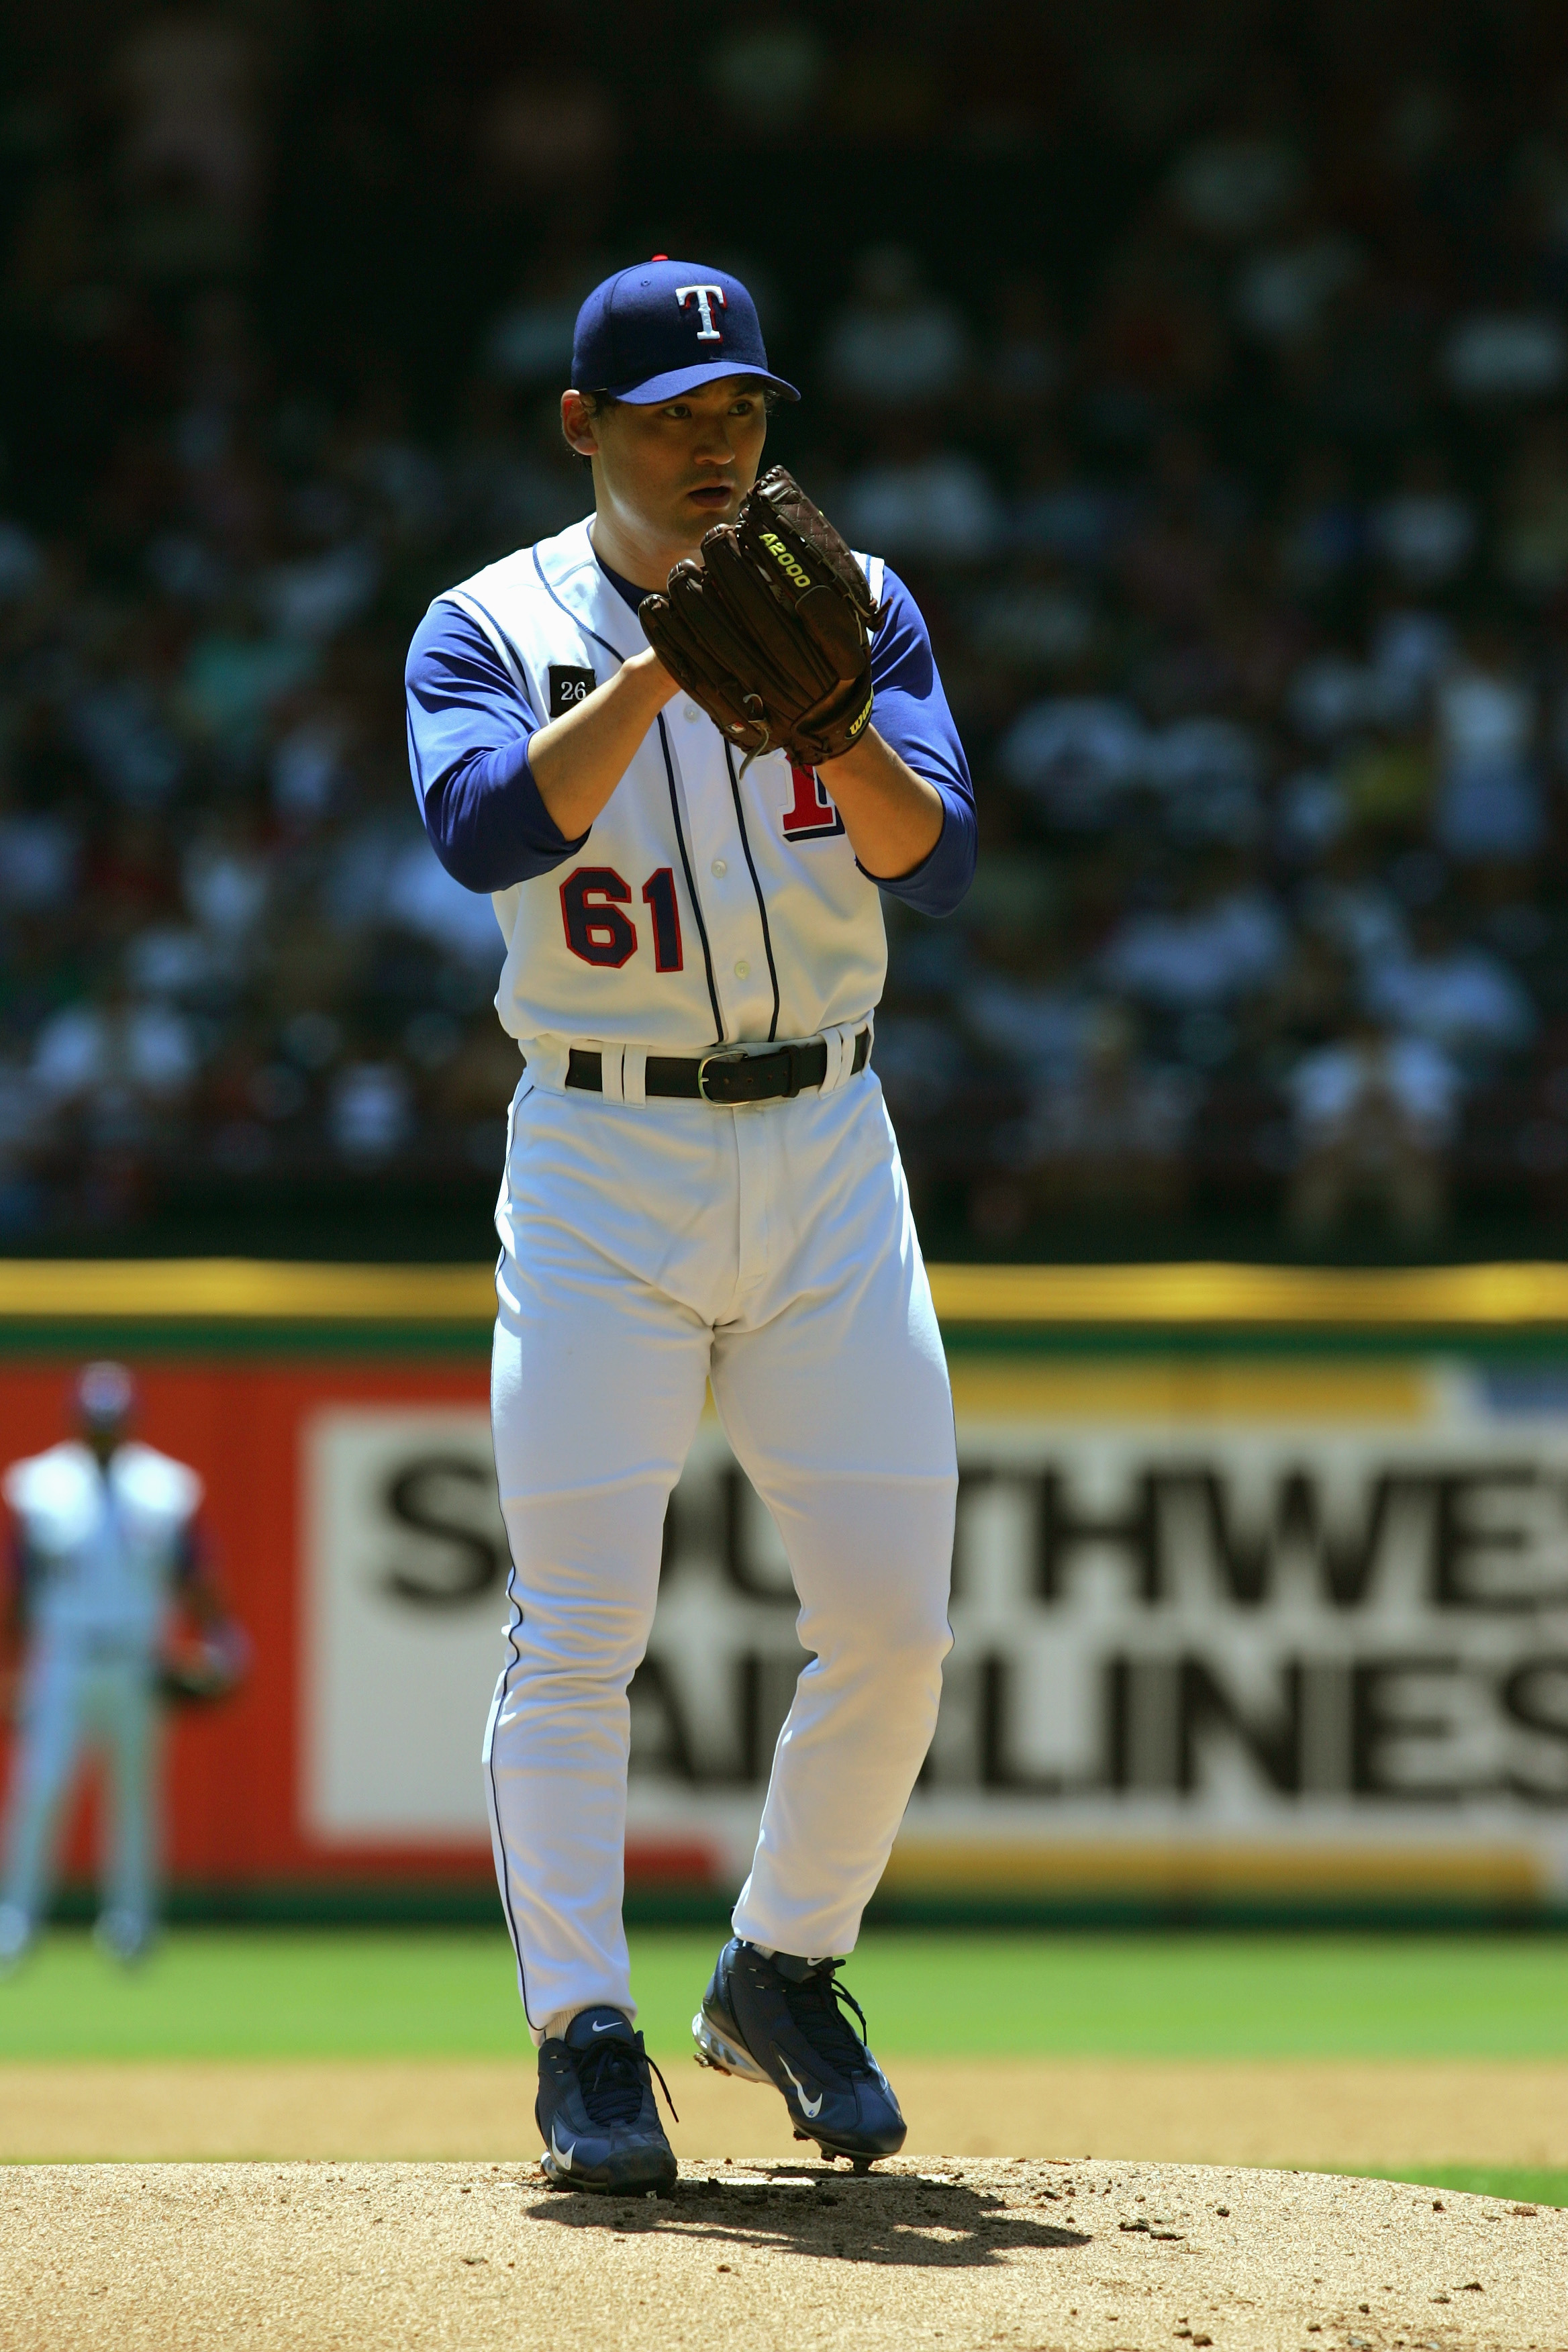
(105,1396)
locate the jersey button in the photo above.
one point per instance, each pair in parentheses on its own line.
(719,869)
(691,712)
(742,969)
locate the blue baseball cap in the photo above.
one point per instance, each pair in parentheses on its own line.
(663,327)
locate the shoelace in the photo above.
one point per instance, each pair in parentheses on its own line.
(813,2003)
(613,2074)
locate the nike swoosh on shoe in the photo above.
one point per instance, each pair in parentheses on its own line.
(563,2155)
(808,2107)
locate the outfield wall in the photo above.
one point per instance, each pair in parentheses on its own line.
(1260,1596)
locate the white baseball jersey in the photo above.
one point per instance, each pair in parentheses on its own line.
(700,910)
(102,1548)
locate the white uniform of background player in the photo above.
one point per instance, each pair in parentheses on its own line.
(652,1245)
(104,1532)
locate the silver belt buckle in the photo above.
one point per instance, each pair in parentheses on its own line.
(727,1058)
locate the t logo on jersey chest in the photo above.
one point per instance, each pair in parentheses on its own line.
(568,687)
(811,816)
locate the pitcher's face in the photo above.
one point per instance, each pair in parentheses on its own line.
(671,471)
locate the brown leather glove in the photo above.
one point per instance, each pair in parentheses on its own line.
(771,632)
(198,1666)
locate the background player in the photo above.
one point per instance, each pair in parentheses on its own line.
(671,1215)
(106,1544)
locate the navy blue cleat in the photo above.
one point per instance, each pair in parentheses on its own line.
(780,2020)
(596,2109)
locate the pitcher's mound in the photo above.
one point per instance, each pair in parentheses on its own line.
(366,2258)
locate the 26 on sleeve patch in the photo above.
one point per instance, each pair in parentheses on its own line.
(568,687)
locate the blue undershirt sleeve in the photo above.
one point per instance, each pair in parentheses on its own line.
(468,730)
(911,715)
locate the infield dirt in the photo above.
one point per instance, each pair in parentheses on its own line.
(1382,2115)
(797,2257)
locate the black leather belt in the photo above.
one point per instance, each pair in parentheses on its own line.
(730,1075)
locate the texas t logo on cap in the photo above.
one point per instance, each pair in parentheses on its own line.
(707,332)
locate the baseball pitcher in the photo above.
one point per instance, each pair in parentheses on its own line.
(685,746)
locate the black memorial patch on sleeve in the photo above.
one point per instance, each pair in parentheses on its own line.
(568,687)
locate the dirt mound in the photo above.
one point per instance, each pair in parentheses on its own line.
(375,2258)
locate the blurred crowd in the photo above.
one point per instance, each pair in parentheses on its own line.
(1204,370)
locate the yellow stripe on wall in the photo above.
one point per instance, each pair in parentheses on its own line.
(1131,1297)
(242,1290)
(1147,1296)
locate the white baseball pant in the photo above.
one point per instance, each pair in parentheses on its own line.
(81,1691)
(649,1250)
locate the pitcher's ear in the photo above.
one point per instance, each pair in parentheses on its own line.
(579,414)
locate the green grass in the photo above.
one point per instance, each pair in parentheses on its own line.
(372,1993)
(1514,2184)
